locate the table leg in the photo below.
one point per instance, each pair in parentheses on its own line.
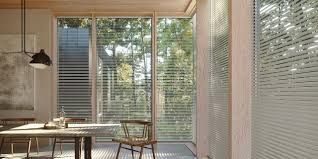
(88,147)
(1,144)
(54,143)
(77,147)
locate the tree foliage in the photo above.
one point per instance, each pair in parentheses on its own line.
(124,71)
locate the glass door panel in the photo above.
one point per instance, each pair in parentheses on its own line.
(123,69)
(73,87)
(175,80)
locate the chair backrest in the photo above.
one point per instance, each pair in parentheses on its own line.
(146,128)
(7,121)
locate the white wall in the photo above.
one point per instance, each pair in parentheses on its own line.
(38,22)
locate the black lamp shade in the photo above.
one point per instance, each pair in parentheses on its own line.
(40,60)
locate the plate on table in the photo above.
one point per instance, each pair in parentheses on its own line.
(51,125)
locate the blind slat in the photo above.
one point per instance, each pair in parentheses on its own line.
(124,69)
(284,106)
(175,80)
(219,81)
(74,90)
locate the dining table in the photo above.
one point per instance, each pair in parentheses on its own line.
(75,131)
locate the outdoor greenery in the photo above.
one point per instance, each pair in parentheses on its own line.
(175,79)
(124,88)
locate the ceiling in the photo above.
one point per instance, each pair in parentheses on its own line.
(185,7)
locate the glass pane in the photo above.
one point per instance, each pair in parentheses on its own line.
(73,87)
(123,69)
(175,79)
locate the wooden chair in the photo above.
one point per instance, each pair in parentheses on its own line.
(65,139)
(13,122)
(133,139)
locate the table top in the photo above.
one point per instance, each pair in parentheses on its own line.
(73,130)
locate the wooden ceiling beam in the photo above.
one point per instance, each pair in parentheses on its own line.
(124,14)
(163,7)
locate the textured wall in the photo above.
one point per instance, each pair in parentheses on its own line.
(241,35)
(39,24)
(17,77)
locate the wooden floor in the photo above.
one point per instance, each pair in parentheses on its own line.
(108,151)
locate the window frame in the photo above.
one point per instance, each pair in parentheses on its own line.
(93,61)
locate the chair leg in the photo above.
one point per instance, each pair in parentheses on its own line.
(29,147)
(153,151)
(119,147)
(61,148)
(132,152)
(81,145)
(54,143)
(37,144)
(141,152)
(12,148)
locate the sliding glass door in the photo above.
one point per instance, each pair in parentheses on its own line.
(126,72)
(73,86)
(175,79)
(123,69)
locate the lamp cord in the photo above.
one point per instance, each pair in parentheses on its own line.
(24,16)
(22,26)
(23,30)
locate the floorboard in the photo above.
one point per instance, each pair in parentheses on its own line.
(108,151)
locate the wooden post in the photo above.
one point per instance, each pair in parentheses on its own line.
(153,74)
(240,41)
(202,42)
(93,71)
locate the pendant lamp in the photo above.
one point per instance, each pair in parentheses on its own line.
(40,60)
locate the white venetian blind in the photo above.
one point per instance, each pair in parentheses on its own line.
(219,81)
(285,96)
(124,69)
(175,79)
(74,91)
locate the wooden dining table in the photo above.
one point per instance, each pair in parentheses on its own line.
(76,131)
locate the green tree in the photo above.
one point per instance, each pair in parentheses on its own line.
(124,54)
(125,40)
(175,78)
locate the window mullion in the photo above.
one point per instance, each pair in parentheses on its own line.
(153,73)
(93,69)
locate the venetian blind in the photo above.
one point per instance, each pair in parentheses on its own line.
(284,109)
(175,79)
(73,87)
(219,81)
(124,69)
